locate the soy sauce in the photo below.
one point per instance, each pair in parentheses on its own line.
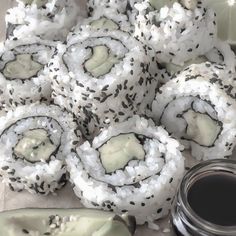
(213,198)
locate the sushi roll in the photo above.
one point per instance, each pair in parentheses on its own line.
(132,167)
(24,76)
(65,222)
(104,19)
(178,31)
(34,142)
(198,107)
(103,77)
(48,19)
(221,54)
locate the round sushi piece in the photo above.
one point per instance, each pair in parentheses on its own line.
(79,222)
(132,167)
(103,77)
(34,141)
(49,19)
(221,54)
(178,31)
(24,75)
(198,107)
(104,19)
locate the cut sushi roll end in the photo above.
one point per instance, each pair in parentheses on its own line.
(34,142)
(198,108)
(132,167)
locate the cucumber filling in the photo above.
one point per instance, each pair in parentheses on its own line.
(35,146)
(24,67)
(104,23)
(39,3)
(119,150)
(101,61)
(201,128)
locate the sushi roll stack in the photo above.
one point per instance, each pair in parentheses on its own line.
(178,31)
(24,76)
(103,77)
(34,141)
(48,19)
(198,107)
(132,167)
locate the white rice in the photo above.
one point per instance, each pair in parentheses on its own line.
(97,5)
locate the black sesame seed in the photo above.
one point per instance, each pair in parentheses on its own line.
(5,167)
(25,231)
(159,210)
(12,179)
(75,142)
(95,204)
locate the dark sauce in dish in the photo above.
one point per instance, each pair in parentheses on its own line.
(213,198)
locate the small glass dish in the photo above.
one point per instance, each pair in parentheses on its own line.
(185,221)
